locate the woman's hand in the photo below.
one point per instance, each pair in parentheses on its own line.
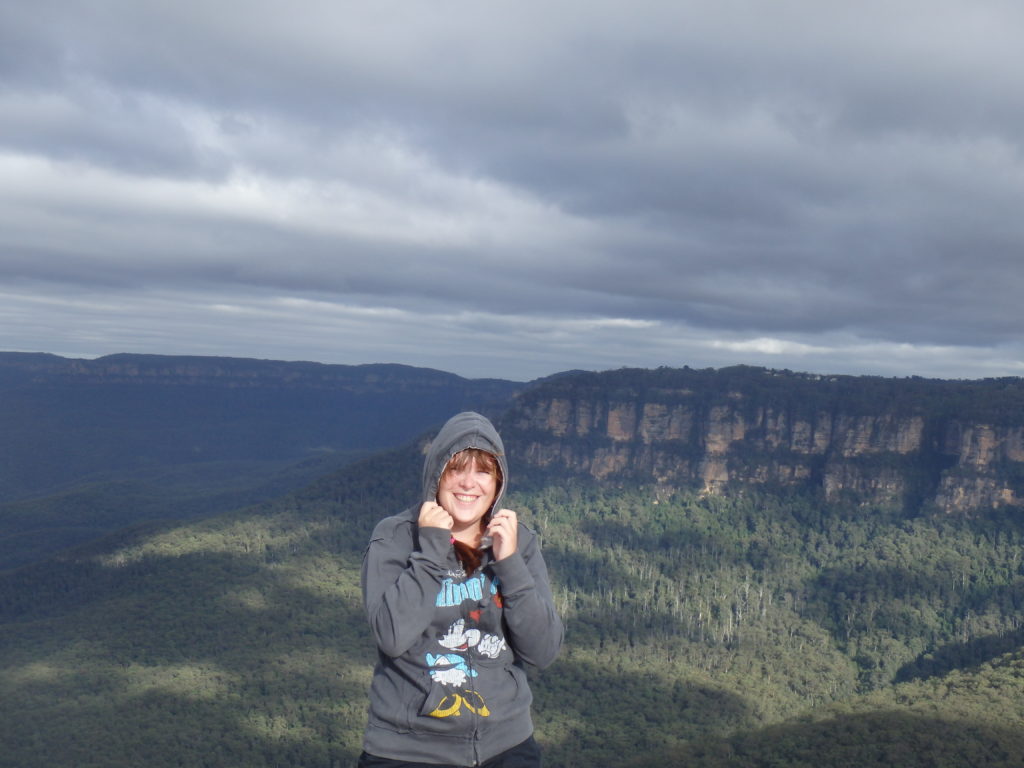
(433,515)
(504,529)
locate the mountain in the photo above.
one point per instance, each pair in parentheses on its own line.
(88,446)
(945,722)
(957,446)
(63,420)
(701,630)
(750,622)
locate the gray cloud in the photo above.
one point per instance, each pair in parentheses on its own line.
(513,189)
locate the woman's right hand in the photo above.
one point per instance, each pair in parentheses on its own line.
(433,515)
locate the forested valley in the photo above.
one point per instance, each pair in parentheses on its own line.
(764,627)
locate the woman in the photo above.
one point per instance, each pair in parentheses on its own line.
(458,600)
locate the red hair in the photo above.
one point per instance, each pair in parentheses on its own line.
(468,555)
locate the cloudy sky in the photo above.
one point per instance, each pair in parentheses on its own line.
(512,189)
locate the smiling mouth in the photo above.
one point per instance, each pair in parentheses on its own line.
(465,499)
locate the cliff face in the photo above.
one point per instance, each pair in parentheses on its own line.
(907,442)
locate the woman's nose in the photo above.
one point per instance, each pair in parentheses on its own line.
(464,479)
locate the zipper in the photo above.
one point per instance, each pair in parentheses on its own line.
(476,716)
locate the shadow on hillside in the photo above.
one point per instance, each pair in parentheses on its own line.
(198,659)
(212,657)
(158,726)
(192,604)
(608,712)
(953,656)
(216,659)
(702,550)
(619,549)
(851,601)
(847,602)
(105,504)
(882,739)
(601,606)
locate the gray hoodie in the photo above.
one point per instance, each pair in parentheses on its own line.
(449,685)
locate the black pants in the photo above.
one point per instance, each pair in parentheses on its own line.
(525,755)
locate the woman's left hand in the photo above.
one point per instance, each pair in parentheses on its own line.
(504,528)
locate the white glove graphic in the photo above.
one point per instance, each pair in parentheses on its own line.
(459,638)
(491,646)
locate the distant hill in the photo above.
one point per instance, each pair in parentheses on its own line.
(63,420)
(89,446)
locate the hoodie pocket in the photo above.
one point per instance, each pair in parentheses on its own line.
(441,702)
(450,711)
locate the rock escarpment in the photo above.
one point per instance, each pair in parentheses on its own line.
(956,445)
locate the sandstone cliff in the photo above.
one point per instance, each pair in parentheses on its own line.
(911,442)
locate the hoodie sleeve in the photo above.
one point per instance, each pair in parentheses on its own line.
(533,624)
(400,586)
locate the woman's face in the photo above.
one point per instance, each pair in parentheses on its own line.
(466,494)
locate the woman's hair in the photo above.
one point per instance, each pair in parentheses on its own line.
(469,556)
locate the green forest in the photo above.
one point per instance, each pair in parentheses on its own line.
(759,629)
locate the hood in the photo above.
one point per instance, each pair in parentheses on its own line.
(462,431)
